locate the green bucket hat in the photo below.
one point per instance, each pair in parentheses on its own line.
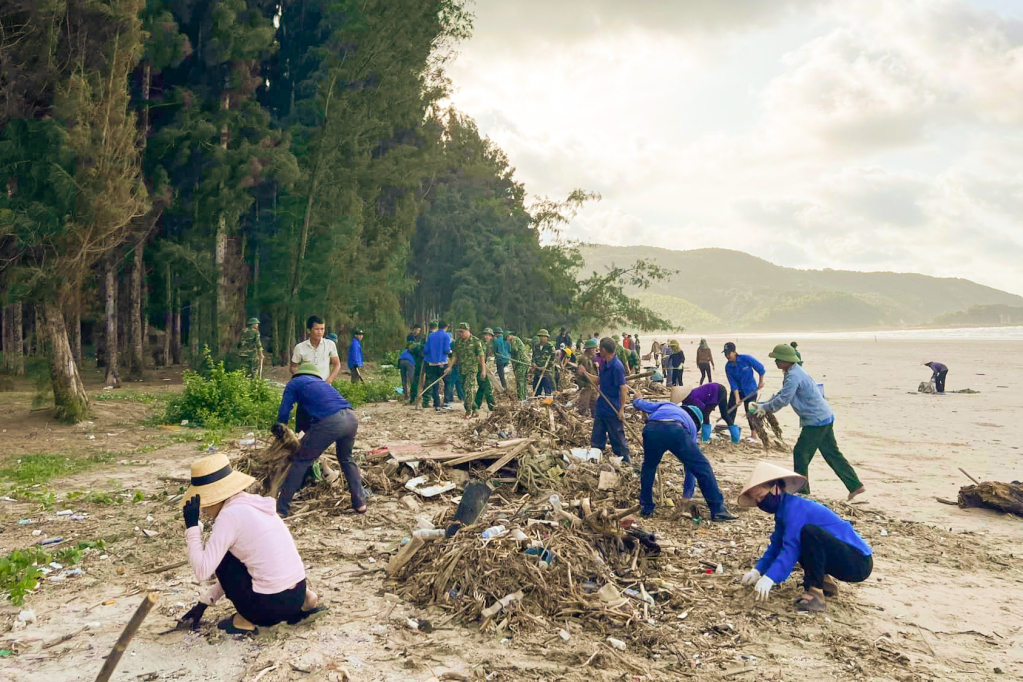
(463,325)
(616,338)
(433,324)
(543,332)
(307,368)
(488,330)
(498,331)
(784,352)
(253,320)
(332,336)
(510,332)
(536,339)
(590,343)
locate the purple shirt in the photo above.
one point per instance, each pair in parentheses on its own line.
(704,396)
(937,367)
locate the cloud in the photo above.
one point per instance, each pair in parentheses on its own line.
(873,135)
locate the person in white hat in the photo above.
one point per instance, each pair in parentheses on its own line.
(816,421)
(250,551)
(805,532)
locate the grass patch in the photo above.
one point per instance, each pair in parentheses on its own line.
(132,396)
(19,570)
(36,468)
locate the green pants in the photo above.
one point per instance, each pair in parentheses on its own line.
(814,438)
(521,380)
(414,388)
(485,390)
(468,388)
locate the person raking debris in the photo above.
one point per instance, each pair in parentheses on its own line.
(816,421)
(805,532)
(673,428)
(332,420)
(250,551)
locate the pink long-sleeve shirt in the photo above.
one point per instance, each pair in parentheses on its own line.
(249,528)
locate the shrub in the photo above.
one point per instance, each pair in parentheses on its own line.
(216,398)
(358,394)
(391,358)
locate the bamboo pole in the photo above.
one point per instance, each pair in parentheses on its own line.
(129,631)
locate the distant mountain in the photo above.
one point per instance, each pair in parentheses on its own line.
(722,290)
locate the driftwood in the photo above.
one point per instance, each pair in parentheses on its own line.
(129,631)
(269,465)
(1004,497)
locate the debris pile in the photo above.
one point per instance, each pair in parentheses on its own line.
(1004,497)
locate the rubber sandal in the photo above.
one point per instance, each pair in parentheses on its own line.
(308,616)
(364,509)
(830,587)
(815,605)
(227,625)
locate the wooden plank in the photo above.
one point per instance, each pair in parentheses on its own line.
(496,466)
(429,457)
(404,555)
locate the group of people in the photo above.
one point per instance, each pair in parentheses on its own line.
(320,348)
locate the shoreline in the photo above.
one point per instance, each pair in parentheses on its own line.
(997,333)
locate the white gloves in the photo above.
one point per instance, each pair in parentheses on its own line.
(750,577)
(763,588)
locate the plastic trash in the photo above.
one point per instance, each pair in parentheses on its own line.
(399,390)
(247,441)
(429,533)
(27,616)
(50,541)
(616,643)
(492,532)
(25,522)
(79,517)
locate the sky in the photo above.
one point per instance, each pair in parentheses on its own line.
(874,135)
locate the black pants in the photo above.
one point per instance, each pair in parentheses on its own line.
(339,428)
(939,381)
(729,417)
(705,373)
(433,373)
(258,609)
(607,428)
(302,420)
(408,373)
(746,400)
(821,553)
(544,382)
(500,373)
(676,376)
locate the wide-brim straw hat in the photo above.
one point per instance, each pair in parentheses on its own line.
(765,472)
(213,480)
(678,394)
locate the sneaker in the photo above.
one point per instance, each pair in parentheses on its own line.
(648,514)
(723,516)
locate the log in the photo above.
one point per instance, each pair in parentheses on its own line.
(1004,497)
(496,466)
(404,555)
(129,631)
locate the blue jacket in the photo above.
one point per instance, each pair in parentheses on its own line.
(355,354)
(794,512)
(501,349)
(437,347)
(667,411)
(740,374)
(612,378)
(318,398)
(406,355)
(800,391)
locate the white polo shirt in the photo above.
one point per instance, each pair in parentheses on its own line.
(319,356)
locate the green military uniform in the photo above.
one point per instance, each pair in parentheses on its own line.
(251,346)
(467,354)
(416,349)
(520,354)
(485,389)
(543,357)
(620,351)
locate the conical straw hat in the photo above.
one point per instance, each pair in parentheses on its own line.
(678,394)
(766,472)
(214,481)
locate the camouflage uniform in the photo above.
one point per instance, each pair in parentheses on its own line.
(587,399)
(251,347)
(543,356)
(520,355)
(485,389)
(416,349)
(467,354)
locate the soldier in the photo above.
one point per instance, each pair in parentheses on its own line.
(467,354)
(620,351)
(519,354)
(587,378)
(414,345)
(251,347)
(543,363)
(485,389)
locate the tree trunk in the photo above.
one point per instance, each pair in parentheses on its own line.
(133,325)
(176,340)
(220,322)
(168,317)
(17,349)
(193,330)
(69,397)
(75,320)
(113,376)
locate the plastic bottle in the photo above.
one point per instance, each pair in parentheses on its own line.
(428,533)
(492,532)
(555,501)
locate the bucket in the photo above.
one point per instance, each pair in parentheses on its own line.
(820,387)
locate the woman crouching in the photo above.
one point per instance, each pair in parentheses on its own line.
(805,532)
(250,551)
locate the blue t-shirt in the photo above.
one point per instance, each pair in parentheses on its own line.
(794,512)
(318,398)
(740,374)
(355,354)
(667,411)
(406,355)
(437,347)
(612,378)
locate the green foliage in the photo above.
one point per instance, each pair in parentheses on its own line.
(132,396)
(36,468)
(391,358)
(221,399)
(19,572)
(360,393)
